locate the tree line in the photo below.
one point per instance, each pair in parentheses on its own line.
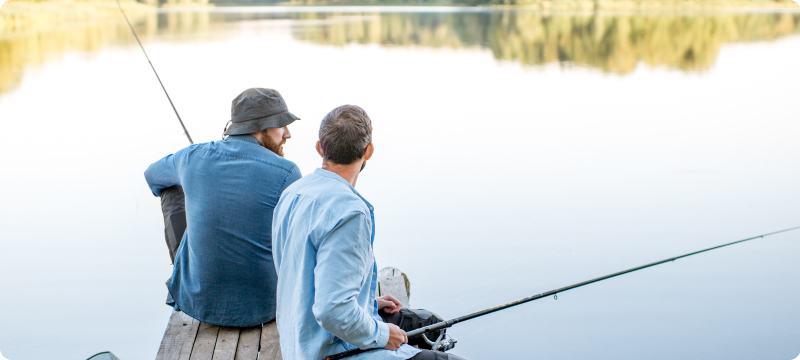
(615,44)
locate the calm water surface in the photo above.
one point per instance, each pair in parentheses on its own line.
(516,152)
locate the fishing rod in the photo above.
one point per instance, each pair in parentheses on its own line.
(446,324)
(155,72)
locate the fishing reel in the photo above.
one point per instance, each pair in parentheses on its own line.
(443,343)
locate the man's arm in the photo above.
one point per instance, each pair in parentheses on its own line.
(342,259)
(164,173)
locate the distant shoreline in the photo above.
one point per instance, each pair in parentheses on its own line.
(22,14)
(612,40)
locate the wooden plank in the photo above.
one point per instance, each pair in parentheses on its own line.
(188,342)
(172,340)
(179,329)
(249,339)
(227,339)
(270,342)
(204,343)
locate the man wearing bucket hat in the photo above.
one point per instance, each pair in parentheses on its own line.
(224,272)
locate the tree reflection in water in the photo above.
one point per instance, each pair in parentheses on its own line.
(32,46)
(611,42)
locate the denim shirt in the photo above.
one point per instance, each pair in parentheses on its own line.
(224,273)
(323,232)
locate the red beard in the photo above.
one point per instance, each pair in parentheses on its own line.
(272,146)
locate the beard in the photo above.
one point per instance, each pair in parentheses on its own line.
(272,146)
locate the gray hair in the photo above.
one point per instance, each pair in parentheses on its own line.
(344,134)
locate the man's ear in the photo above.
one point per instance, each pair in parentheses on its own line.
(319,150)
(368,153)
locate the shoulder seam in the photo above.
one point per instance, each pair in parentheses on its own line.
(347,214)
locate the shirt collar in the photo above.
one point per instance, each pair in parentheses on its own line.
(246,138)
(335,176)
(331,175)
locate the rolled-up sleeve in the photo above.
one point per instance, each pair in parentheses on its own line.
(163,173)
(344,262)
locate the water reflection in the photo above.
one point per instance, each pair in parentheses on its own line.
(613,43)
(32,46)
(547,178)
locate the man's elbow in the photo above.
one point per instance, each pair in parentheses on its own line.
(337,319)
(152,181)
(327,318)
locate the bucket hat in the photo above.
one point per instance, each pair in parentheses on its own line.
(256,109)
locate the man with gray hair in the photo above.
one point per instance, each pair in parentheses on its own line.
(323,231)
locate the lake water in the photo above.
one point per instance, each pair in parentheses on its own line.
(516,152)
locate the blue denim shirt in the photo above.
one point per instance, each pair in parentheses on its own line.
(224,274)
(323,232)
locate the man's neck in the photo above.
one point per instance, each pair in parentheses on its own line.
(348,172)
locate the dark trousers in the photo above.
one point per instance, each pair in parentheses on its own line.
(411,319)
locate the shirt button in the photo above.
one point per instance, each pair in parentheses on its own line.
(371,209)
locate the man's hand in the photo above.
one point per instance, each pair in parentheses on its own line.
(397,337)
(389,304)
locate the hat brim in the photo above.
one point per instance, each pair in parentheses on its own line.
(259,124)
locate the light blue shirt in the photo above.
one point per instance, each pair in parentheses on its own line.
(223,272)
(322,234)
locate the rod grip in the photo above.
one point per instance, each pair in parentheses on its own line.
(410,334)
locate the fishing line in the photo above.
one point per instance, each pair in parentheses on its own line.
(451,322)
(155,72)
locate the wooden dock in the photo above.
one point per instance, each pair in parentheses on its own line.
(189,339)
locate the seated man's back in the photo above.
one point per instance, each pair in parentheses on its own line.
(323,233)
(224,273)
(319,215)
